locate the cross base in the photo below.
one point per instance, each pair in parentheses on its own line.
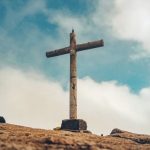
(74,125)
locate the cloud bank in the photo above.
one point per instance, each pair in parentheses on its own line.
(28,98)
(130,21)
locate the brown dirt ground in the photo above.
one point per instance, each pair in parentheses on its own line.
(14,137)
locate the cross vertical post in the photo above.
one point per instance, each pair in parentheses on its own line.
(73,77)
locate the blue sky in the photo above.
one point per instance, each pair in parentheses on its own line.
(29,28)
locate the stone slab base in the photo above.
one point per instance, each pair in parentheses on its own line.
(73,125)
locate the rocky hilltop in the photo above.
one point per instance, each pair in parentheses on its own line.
(13,137)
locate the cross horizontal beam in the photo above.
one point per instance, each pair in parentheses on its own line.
(79,47)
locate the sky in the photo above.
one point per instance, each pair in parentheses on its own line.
(113,81)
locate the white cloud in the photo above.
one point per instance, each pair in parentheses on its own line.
(28,98)
(130,21)
(65,20)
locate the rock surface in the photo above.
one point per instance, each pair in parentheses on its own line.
(13,137)
(2,119)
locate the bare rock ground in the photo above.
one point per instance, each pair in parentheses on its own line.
(13,137)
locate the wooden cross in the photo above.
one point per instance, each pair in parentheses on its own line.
(73,49)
